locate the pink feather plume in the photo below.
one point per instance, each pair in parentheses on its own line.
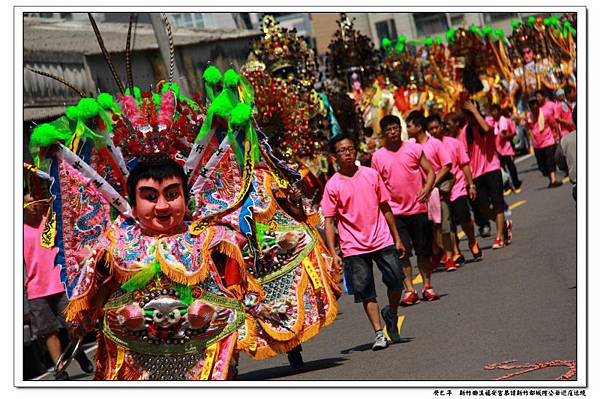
(130,110)
(167,108)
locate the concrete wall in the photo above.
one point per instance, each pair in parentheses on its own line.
(324,26)
(222,20)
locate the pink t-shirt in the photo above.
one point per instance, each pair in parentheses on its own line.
(482,152)
(355,201)
(43,277)
(459,156)
(436,154)
(402,176)
(504,129)
(562,111)
(542,138)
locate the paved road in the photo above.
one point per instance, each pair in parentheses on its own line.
(519,303)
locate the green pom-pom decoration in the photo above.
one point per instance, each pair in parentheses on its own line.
(450,34)
(212,75)
(488,31)
(546,21)
(156,98)
(137,94)
(106,101)
(240,114)
(72,113)
(437,40)
(531,19)
(221,106)
(428,42)
(45,135)
(499,33)
(174,87)
(385,43)
(515,24)
(88,108)
(475,30)
(402,39)
(231,78)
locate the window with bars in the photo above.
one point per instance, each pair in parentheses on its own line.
(429,23)
(191,20)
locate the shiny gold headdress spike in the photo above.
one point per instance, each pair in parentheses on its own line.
(281,49)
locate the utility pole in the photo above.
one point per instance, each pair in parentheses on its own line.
(163,44)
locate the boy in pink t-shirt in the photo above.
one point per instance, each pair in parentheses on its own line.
(403,166)
(457,201)
(544,132)
(479,139)
(439,201)
(356,197)
(563,114)
(504,130)
(45,293)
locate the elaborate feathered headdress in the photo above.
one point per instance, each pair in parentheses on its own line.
(352,52)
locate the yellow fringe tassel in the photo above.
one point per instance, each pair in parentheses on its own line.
(179,276)
(248,344)
(236,290)
(313,219)
(255,286)
(76,307)
(232,251)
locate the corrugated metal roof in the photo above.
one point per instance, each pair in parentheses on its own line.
(43,35)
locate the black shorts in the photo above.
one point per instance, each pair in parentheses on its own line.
(416,232)
(546,159)
(47,314)
(489,188)
(360,269)
(460,210)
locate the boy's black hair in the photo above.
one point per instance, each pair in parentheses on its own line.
(434,118)
(495,106)
(417,118)
(544,92)
(389,120)
(155,169)
(337,139)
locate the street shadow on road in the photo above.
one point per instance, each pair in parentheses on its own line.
(286,371)
(367,347)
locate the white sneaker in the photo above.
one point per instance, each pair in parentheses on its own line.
(380,342)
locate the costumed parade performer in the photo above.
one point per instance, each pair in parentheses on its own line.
(170,236)
(353,69)
(294,116)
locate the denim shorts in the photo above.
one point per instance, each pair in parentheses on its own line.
(360,269)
